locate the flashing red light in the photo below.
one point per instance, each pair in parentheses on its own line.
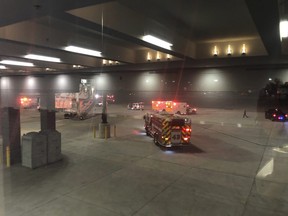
(185,138)
(188,129)
(274,115)
(24,100)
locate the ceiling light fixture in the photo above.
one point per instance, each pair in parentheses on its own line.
(17,63)
(158,42)
(283,27)
(42,58)
(2,67)
(84,51)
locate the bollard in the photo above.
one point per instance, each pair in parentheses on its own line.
(114,130)
(94,131)
(8,156)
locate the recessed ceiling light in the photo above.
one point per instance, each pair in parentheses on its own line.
(84,51)
(42,58)
(158,42)
(17,63)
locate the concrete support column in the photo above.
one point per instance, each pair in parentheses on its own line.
(47,101)
(47,120)
(47,111)
(0,115)
(11,134)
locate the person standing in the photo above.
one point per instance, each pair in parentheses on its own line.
(245,114)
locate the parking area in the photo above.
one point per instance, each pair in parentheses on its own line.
(234,166)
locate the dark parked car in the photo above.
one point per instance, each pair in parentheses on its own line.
(69,115)
(276,115)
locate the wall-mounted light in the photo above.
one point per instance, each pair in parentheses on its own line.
(84,51)
(215,51)
(17,63)
(158,56)
(148,57)
(229,50)
(168,56)
(243,50)
(42,58)
(104,61)
(157,42)
(77,66)
(49,69)
(110,62)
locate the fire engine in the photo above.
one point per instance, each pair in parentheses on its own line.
(167,129)
(173,107)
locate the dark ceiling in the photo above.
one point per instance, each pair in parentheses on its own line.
(116,28)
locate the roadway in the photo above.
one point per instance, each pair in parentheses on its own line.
(234,166)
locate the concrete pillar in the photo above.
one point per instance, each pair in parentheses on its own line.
(47,111)
(47,120)
(0,116)
(11,134)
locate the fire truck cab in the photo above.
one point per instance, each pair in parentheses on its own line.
(167,129)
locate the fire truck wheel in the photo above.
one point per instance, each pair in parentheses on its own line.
(147,133)
(81,118)
(155,139)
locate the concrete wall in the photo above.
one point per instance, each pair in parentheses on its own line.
(224,87)
(13,87)
(208,87)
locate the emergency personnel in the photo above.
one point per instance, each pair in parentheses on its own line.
(245,114)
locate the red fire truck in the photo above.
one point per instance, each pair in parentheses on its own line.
(167,129)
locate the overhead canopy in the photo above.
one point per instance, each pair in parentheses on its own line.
(201,33)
